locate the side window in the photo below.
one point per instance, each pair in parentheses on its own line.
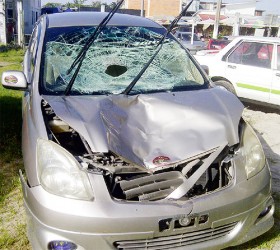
(278,57)
(33,45)
(252,54)
(237,54)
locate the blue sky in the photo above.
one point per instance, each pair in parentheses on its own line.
(270,6)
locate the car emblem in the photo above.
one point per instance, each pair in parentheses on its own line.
(161,160)
(11,79)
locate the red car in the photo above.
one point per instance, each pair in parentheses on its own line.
(217,44)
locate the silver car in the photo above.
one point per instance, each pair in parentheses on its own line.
(190,41)
(116,161)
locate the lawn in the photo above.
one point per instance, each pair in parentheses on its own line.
(12,216)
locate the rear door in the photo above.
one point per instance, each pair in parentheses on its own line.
(248,67)
(275,90)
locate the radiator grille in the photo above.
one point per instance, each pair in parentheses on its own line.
(152,187)
(169,242)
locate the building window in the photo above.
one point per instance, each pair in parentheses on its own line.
(10,13)
(258,13)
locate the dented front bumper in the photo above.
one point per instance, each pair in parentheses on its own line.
(227,217)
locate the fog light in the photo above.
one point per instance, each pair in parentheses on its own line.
(184,221)
(61,245)
(265,212)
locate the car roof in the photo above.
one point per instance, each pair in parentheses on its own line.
(259,38)
(67,19)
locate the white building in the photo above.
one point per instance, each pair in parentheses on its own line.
(2,23)
(17,17)
(238,14)
(32,11)
(247,7)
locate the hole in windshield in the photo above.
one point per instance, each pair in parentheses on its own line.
(115,70)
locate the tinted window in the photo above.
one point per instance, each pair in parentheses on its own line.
(33,47)
(253,54)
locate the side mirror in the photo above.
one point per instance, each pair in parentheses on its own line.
(205,68)
(13,79)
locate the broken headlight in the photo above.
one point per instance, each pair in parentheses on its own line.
(252,151)
(60,173)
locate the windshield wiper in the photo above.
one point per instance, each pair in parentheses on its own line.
(159,46)
(82,54)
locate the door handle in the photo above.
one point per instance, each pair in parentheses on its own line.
(277,74)
(231,66)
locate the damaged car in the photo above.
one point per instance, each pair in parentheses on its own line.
(125,148)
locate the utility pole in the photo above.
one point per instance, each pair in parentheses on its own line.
(236,26)
(20,27)
(217,19)
(142,7)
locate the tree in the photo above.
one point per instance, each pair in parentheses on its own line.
(70,5)
(96,4)
(78,3)
(52,5)
(112,5)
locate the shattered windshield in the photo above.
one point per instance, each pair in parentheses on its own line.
(116,57)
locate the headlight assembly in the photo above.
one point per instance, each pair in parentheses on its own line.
(60,173)
(252,151)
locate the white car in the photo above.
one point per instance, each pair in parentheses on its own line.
(249,67)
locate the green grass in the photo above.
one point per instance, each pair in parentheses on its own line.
(12,222)
(269,239)
(12,216)
(12,56)
(10,126)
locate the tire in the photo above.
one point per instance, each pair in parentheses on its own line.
(225,85)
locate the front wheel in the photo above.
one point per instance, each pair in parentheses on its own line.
(225,85)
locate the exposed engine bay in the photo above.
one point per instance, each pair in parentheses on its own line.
(180,181)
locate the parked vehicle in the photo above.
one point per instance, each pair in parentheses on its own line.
(217,44)
(186,39)
(185,28)
(113,161)
(248,67)
(51,10)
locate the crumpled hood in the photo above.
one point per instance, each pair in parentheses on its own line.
(143,128)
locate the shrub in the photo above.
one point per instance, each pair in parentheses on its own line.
(8,47)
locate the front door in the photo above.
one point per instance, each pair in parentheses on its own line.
(248,67)
(275,87)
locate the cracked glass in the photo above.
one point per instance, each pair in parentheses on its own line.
(115,58)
